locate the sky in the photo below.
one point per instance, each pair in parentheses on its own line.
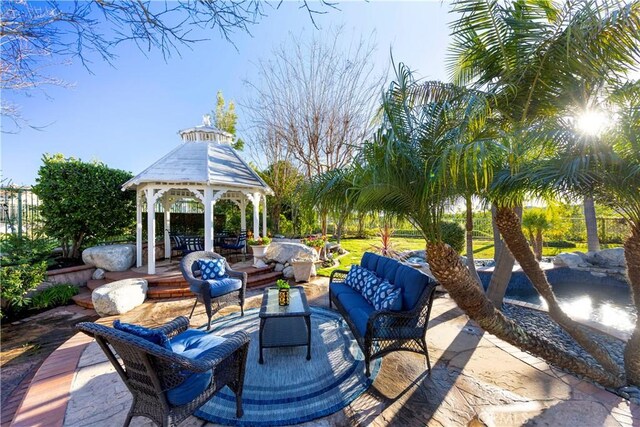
(128,115)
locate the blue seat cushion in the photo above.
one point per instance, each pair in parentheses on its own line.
(352,299)
(151,335)
(369,261)
(359,278)
(386,268)
(359,317)
(338,288)
(412,282)
(212,268)
(387,297)
(192,343)
(223,286)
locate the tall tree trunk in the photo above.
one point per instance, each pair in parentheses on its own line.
(323,222)
(471,265)
(454,276)
(504,265)
(511,229)
(632,348)
(538,245)
(361,218)
(591,222)
(497,239)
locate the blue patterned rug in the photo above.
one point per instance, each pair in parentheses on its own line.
(287,389)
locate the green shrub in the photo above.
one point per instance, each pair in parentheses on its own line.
(559,244)
(25,250)
(53,296)
(452,234)
(16,281)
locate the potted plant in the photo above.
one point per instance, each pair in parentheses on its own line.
(259,246)
(316,243)
(283,292)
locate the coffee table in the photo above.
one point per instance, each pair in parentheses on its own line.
(285,326)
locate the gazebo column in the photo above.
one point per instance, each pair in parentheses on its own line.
(138,228)
(151,231)
(243,213)
(166,206)
(256,215)
(208,219)
(264,215)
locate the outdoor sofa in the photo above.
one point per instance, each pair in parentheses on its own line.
(381,331)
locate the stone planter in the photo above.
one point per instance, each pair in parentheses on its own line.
(302,270)
(259,252)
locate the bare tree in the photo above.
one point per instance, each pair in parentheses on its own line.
(315,99)
(34,36)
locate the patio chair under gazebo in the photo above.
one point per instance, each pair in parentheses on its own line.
(204,167)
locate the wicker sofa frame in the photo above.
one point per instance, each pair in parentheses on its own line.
(389,331)
(149,370)
(191,272)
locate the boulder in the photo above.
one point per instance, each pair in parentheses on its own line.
(110,257)
(609,258)
(282,252)
(119,297)
(98,274)
(279,267)
(571,260)
(288,272)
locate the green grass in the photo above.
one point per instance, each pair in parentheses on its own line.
(481,249)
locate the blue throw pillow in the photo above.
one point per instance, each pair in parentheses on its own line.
(151,335)
(358,277)
(387,297)
(370,286)
(212,269)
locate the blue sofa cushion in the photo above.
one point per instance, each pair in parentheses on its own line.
(386,268)
(338,288)
(412,282)
(369,261)
(192,343)
(387,297)
(359,278)
(353,299)
(212,268)
(220,287)
(151,335)
(359,316)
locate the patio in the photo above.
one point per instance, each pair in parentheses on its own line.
(476,380)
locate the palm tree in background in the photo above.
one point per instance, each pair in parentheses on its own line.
(407,171)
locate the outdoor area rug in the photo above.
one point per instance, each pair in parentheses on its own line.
(288,389)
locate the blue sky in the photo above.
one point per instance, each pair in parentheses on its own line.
(128,115)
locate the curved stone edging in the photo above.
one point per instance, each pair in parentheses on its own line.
(45,402)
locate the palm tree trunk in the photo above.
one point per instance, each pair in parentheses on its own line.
(504,266)
(471,265)
(511,229)
(591,222)
(632,348)
(497,239)
(454,276)
(538,245)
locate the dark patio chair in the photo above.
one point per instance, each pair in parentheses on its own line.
(226,290)
(168,386)
(237,247)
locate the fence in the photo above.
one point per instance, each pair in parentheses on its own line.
(19,213)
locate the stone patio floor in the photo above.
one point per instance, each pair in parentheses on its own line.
(476,380)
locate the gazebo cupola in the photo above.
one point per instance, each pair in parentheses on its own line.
(204,167)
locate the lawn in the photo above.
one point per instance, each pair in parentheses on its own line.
(481,250)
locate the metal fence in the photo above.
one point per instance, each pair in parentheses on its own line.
(19,213)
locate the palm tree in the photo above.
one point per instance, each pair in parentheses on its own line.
(406,172)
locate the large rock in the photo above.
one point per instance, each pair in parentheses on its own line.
(98,274)
(110,257)
(283,252)
(571,260)
(609,258)
(119,297)
(288,272)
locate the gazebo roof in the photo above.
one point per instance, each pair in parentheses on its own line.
(204,157)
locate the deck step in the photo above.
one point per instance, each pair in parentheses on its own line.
(269,278)
(83,298)
(92,284)
(164,292)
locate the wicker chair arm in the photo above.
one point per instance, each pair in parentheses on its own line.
(174,327)
(212,357)
(338,276)
(238,275)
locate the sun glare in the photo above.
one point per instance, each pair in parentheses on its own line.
(592,122)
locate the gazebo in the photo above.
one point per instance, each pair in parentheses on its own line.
(204,167)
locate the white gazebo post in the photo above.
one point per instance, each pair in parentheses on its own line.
(138,228)
(208,219)
(166,206)
(264,215)
(151,231)
(243,214)
(256,215)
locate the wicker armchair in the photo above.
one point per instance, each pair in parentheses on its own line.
(206,291)
(150,371)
